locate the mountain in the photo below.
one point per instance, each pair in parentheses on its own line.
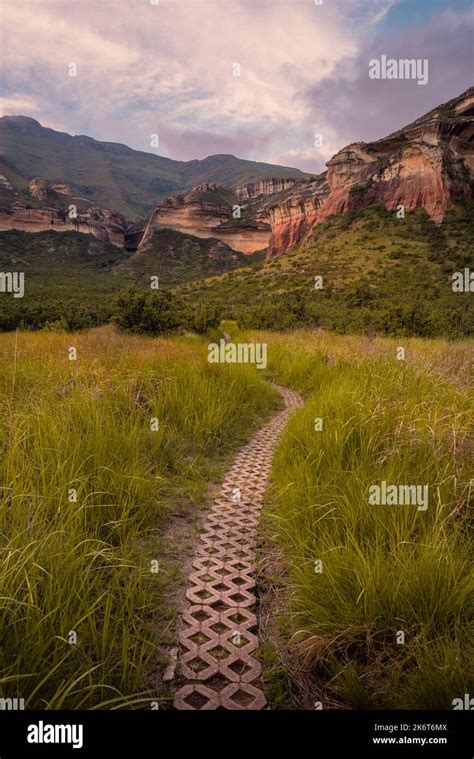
(208,211)
(126,181)
(428,164)
(375,273)
(386,227)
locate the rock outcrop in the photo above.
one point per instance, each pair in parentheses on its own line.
(208,211)
(264,187)
(295,214)
(50,210)
(103,224)
(428,164)
(39,188)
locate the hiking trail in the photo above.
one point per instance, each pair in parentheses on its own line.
(217,638)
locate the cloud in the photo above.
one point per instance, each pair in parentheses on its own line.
(367,109)
(14,104)
(169,69)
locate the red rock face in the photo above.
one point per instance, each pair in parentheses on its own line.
(428,164)
(294,216)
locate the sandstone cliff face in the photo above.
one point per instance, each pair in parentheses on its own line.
(263,187)
(96,221)
(53,214)
(39,188)
(295,215)
(206,212)
(427,164)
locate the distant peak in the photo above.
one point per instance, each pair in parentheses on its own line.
(19,119)
(24,123)
(85,139)
(219,157)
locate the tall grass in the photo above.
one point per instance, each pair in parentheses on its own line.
(84,566)
(386,569)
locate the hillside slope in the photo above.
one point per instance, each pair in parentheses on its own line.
(124,180)
(176,257)
(378,274)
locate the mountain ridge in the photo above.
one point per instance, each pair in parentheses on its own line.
(113,175)
(427,165)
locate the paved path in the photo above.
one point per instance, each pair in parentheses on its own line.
(217,639)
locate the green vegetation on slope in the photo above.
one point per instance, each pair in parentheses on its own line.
(69,277)
(176,258)
(72,279)
(380,274)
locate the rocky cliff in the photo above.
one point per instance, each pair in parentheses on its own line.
(50,211)
(428,164)
(263,187)
(208,211)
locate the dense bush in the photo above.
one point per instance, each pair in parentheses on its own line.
(161,311)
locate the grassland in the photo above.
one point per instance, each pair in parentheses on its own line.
(89,489)
(385,569)
(91,492)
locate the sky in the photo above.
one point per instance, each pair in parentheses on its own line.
(255,78)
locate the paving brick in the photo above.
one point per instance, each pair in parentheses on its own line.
(217,639)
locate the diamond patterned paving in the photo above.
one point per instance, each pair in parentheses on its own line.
(217,639)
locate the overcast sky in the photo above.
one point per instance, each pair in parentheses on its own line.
(168,69)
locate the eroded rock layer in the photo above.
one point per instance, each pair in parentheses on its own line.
(209,211)
(264,187)
(428,164)
(97,221)
(60,211)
